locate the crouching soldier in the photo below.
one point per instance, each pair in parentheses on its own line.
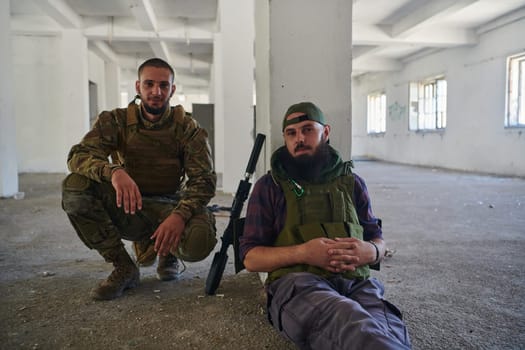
(154,191)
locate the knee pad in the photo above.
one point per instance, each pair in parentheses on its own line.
(75,183)
(199,238)
(75,199)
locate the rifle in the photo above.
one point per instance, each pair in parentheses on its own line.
(235,224)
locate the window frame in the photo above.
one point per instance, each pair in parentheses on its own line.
(376,113)
(427,101)
(515,91)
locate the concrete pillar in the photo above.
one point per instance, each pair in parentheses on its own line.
(8,159)
(237,63)
(75,82)
(112,82)
(262,83)
(218,105)
(307,56)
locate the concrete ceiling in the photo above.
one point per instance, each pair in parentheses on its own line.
(389,33)
(386,33)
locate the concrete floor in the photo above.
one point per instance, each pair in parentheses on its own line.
(457,272)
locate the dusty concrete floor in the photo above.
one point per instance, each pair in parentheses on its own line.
(457,273)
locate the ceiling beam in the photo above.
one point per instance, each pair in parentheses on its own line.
(429,12)
(100,32)
(103,50)
(420,54)
(358,51)
(375,64)
(108,30)
(160,49)
(180,62)
(502,21)
(143,12)
(374,35)
(61,12)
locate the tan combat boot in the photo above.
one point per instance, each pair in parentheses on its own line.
(124,276)
(168,268)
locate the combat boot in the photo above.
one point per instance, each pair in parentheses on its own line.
(124,276)
(168,268)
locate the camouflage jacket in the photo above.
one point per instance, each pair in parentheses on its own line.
(161,157)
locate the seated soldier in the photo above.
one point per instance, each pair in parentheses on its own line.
(309,224)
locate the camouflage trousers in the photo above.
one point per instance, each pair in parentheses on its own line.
(92,209)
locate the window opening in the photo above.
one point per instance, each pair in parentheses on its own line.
(428,104)
(376,113)
(515,106)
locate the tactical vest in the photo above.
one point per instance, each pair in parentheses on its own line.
(154,157)
(313,211)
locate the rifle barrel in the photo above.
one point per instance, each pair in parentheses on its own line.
(257,146)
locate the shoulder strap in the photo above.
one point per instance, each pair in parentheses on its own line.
(179,114)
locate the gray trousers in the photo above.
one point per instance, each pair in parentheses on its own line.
(316,313)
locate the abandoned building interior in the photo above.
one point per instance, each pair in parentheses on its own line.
(426,97)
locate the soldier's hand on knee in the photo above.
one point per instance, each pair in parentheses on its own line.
(127,191)
(167,236)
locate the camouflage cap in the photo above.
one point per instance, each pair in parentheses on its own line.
(311,112)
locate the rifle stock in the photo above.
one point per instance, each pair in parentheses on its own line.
(221,257)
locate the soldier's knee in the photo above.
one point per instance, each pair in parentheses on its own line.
(75,199)
(75,183)
(199,237)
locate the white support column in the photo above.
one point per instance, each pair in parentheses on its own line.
(237,30)
(310,59)
(218,107)
(8,159)
(75,86)
(112,81)
(262,81)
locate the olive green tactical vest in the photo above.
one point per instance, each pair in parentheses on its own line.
(323,210)
(153,157)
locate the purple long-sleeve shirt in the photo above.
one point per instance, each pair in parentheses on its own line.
(266,214)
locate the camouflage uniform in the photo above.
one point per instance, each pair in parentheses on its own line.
(170,161)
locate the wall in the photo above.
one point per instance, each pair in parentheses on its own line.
(8,158)
(43,133)
(40,120)
(475,138)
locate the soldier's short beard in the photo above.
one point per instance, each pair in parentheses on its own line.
(307,167)
(155,111)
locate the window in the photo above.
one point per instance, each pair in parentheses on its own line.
(515,111)
(376,114)
(428,104)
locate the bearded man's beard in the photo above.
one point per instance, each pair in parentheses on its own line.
(153,110)
(306,167)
